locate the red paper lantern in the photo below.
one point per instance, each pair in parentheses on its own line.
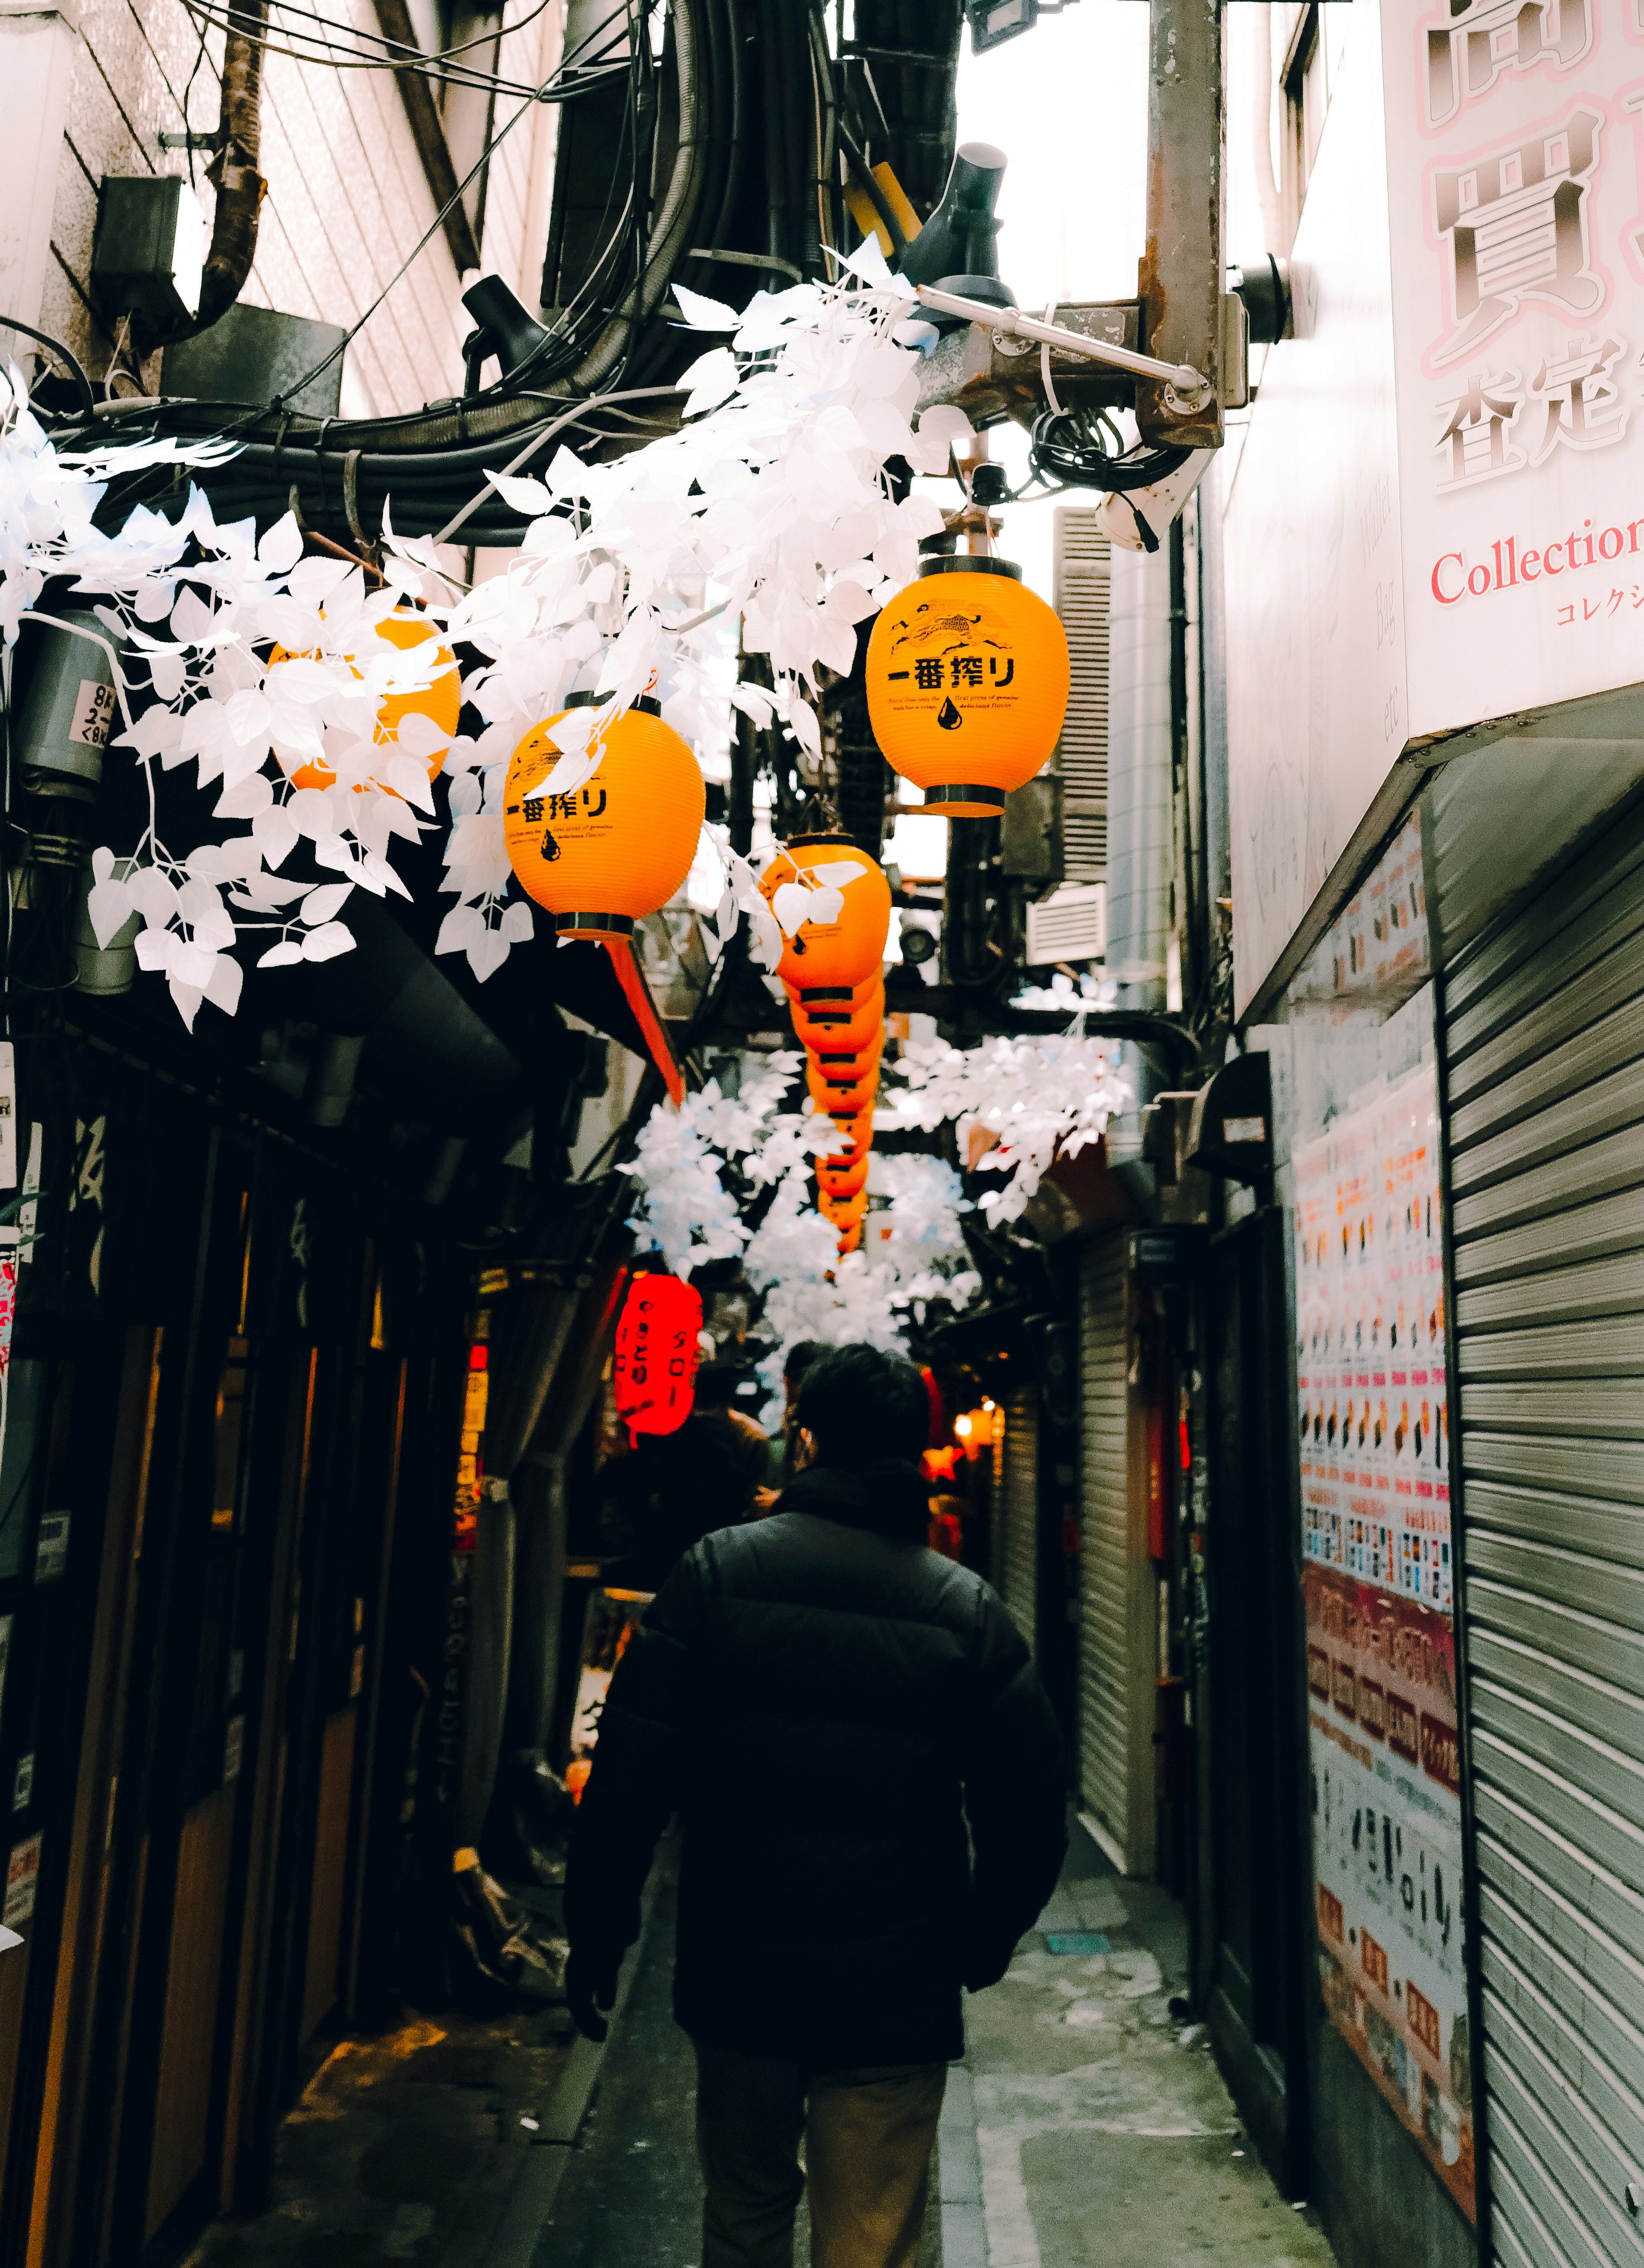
(655,1367)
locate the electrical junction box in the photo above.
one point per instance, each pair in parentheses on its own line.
(251,355)
(1031,835)
(1232,1128)
(148,253)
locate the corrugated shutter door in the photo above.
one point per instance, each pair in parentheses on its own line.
(1104,1648)
(1545,1066)
(1080,580)
(1021,1510)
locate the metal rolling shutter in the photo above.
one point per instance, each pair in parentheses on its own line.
(1079,585)
(1105,1732)
(1021,1510)
(1544,1065)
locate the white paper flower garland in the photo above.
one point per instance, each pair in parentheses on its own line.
(255,664)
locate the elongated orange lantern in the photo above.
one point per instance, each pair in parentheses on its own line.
(843,944)
(440,702)
(966,684)
(854,1021)
(654,1371)
(605,855)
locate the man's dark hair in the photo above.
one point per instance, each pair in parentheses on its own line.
(799,1359)
(862,1406)
(716,1383)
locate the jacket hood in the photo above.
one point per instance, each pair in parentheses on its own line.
(889,1497)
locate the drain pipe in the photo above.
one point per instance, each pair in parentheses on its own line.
(1139,753)
(234,174)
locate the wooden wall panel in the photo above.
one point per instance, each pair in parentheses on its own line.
(193,1984)
(322,1974)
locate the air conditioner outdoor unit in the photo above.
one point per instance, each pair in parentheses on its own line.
(1070,925)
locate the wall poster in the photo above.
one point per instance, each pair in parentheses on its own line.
(1373,1438)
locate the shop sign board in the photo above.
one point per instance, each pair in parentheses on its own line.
(1373,1429)
(1438,517)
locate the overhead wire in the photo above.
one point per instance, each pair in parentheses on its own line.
(335,53)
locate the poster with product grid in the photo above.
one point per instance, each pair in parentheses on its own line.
(1373,1451)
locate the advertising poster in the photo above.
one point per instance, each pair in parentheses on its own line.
(1372,1444)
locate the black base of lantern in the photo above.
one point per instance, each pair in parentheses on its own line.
(975,802)
(597,925)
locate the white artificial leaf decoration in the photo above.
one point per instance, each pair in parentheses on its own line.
(487,952)
(705,314)
(223,990)
(282,545)
(526,495)
(459,928)
(325,944)
(109,906)
(792,904)
(517,924)
(326,902)
(281,955)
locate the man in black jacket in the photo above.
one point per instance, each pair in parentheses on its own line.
(826,1704)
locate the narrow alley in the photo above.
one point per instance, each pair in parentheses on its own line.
(1087,2126)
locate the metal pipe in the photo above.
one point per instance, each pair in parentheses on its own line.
(1185,379)
(1140,752)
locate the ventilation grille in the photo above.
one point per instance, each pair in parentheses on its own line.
(1080,585)
(1070,925)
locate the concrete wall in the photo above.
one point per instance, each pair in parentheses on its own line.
(347,196)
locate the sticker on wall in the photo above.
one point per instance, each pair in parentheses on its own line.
(51,1552)
(8,1115)
(22,1880)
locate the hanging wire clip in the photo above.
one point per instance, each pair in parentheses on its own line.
(1187,389)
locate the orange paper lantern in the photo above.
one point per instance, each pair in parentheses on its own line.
(849,1023)
(441,702)
(847,949)
(841,1098)
(602,857)
(966,684)
(654,1369)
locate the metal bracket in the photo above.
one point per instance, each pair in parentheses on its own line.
(1183,381)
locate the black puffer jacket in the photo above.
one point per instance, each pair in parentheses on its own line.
(826,1704)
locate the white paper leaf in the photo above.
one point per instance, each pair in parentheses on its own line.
(281,547)
(487,953)
(458,928)
(223,991)
(281,955)
(156,946)
(154,897)
(838,872)
(791,903)
(326,944)
(245,798)
(186,999)
(273,832)
(108,906)
(517,925)
(325,904)
(705,314)
(526,495)
(826,907)
(408,778)
(102,863)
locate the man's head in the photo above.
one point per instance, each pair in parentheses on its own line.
(861,1405)
(795,1363)
(716,1384)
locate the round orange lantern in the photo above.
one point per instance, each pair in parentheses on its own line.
(654,1369)
(847,948)
(966,684)
(607,853)
(441,702)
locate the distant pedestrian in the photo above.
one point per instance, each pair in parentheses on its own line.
(672,1488)
(828,1706)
